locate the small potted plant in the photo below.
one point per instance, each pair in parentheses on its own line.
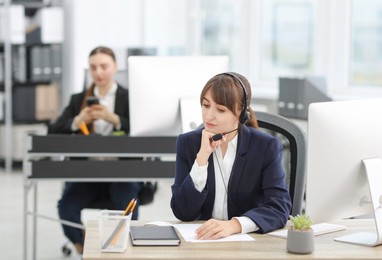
(300,235)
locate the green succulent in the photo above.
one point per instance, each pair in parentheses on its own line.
(301,222)
(118,133)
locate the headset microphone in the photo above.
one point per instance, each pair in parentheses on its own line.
(218,137)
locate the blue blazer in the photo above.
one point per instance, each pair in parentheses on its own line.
(256,188)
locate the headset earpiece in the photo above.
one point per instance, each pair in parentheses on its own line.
(244,115)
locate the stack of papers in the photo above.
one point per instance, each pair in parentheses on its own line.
(188,233)
(318,229)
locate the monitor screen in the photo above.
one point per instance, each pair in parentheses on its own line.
(158,83)
(340,135)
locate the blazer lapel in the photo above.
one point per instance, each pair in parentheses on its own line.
(119,98)
(210,200)
(238,167)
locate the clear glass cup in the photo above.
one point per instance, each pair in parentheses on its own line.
(113,230)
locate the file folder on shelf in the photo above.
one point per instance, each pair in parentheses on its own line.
(296,94)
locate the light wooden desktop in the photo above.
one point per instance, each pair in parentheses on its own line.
(40,163)
(264,247)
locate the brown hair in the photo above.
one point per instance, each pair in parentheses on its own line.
(227,91)
(90,90)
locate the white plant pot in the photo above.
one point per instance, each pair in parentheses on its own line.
(300,242)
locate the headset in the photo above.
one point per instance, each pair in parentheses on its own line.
(244,115)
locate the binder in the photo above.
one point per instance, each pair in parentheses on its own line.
(46,102)
(288,96)
(2,67)
(295,95)
(312,90)
(34,68)
(19,63)
(23,104)
(45,62)
(56,61)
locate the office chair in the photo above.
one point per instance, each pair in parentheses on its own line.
(293,141)
(296,142)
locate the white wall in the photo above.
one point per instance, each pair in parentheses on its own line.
(89,23)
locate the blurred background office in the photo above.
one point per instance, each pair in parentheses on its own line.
(265,40)
(338,41)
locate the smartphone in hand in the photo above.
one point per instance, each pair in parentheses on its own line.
(92,101)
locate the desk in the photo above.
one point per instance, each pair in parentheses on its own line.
(264,247)
(40,163)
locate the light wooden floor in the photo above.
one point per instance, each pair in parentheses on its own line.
(50,237)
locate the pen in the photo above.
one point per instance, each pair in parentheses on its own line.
(129,206)
(118,229)
(133,207)
(130,211)
(84,129)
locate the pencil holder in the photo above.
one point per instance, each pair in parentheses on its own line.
(114,229)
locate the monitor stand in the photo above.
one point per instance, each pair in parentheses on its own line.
(374,175)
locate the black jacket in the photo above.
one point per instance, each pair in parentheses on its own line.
(64,122)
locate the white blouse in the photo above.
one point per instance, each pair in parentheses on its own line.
(223,170)
(101,126)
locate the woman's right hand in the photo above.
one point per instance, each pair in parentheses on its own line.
(84,116)
(207,147)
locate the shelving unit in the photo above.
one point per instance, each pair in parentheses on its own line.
(7,89)
(30,80)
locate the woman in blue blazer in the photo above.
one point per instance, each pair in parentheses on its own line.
(229,172)
(111,114)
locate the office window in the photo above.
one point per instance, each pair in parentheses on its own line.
(222,30)
(220,26)
(287,38)
(165,26)
(366,42)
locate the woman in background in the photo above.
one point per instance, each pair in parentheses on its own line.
(229,173)
(110,114)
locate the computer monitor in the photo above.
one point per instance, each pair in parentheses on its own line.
(158,83)
(341,135)
(121,76)
(141,51)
